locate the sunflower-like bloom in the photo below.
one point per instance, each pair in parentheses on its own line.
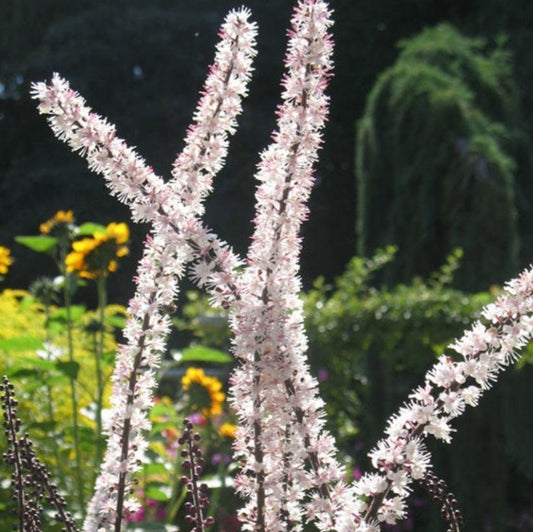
(97,256)
(60,223)
(205,392)
(6,260)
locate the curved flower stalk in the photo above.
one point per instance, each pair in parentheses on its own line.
(450,386)
(173,208)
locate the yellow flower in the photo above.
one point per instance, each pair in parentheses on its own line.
(96,256)
(5,260)
(58,223)
(227,430)
(205,393)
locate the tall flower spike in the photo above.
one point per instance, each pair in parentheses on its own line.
(133,384)
(450,386)
(287,455)
(174,210)
(31,481)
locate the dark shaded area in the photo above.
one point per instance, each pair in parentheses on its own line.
(142,64)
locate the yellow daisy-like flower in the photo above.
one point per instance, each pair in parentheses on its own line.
(205,392)
(97,256)
(227,430)
(6,260)
(57,224)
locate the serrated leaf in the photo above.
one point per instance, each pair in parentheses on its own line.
(204,354)
(89,228)
(69,368)
(40,244)
(21,343)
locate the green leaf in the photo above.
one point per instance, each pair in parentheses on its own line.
(116,321)
(21,343)
(45,426)
(204,354)
(27,302)
(41,244)
(19,372)
(31,367)
(161,409)
(163,425)
(61,314)
(69,368)
(89,228)
(154,468)
(156,494)
(38,363)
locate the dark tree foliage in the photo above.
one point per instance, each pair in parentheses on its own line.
(436,152)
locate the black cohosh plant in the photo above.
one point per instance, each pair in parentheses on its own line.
(193,464)
(30,480)
(289,475)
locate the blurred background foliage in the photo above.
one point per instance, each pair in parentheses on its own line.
(441,156)
(376,342)
(430,116)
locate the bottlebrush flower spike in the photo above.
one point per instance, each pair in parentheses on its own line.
(133,384)
(174,210)
(289,471)
(450,386)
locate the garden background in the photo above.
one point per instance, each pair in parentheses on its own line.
(440,144)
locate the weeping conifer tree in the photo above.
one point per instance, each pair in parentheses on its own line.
(436,159)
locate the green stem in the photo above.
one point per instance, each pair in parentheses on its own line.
(98,354)
(63,250)
(216,494)
(179,491)
(51,412)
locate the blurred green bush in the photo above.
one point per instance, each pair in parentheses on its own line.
(371,344)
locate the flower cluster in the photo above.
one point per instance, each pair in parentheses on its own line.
(58,224)
(6,260)
(450,386)
(205,392)
(97,256)
(174,211)
(289,471)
